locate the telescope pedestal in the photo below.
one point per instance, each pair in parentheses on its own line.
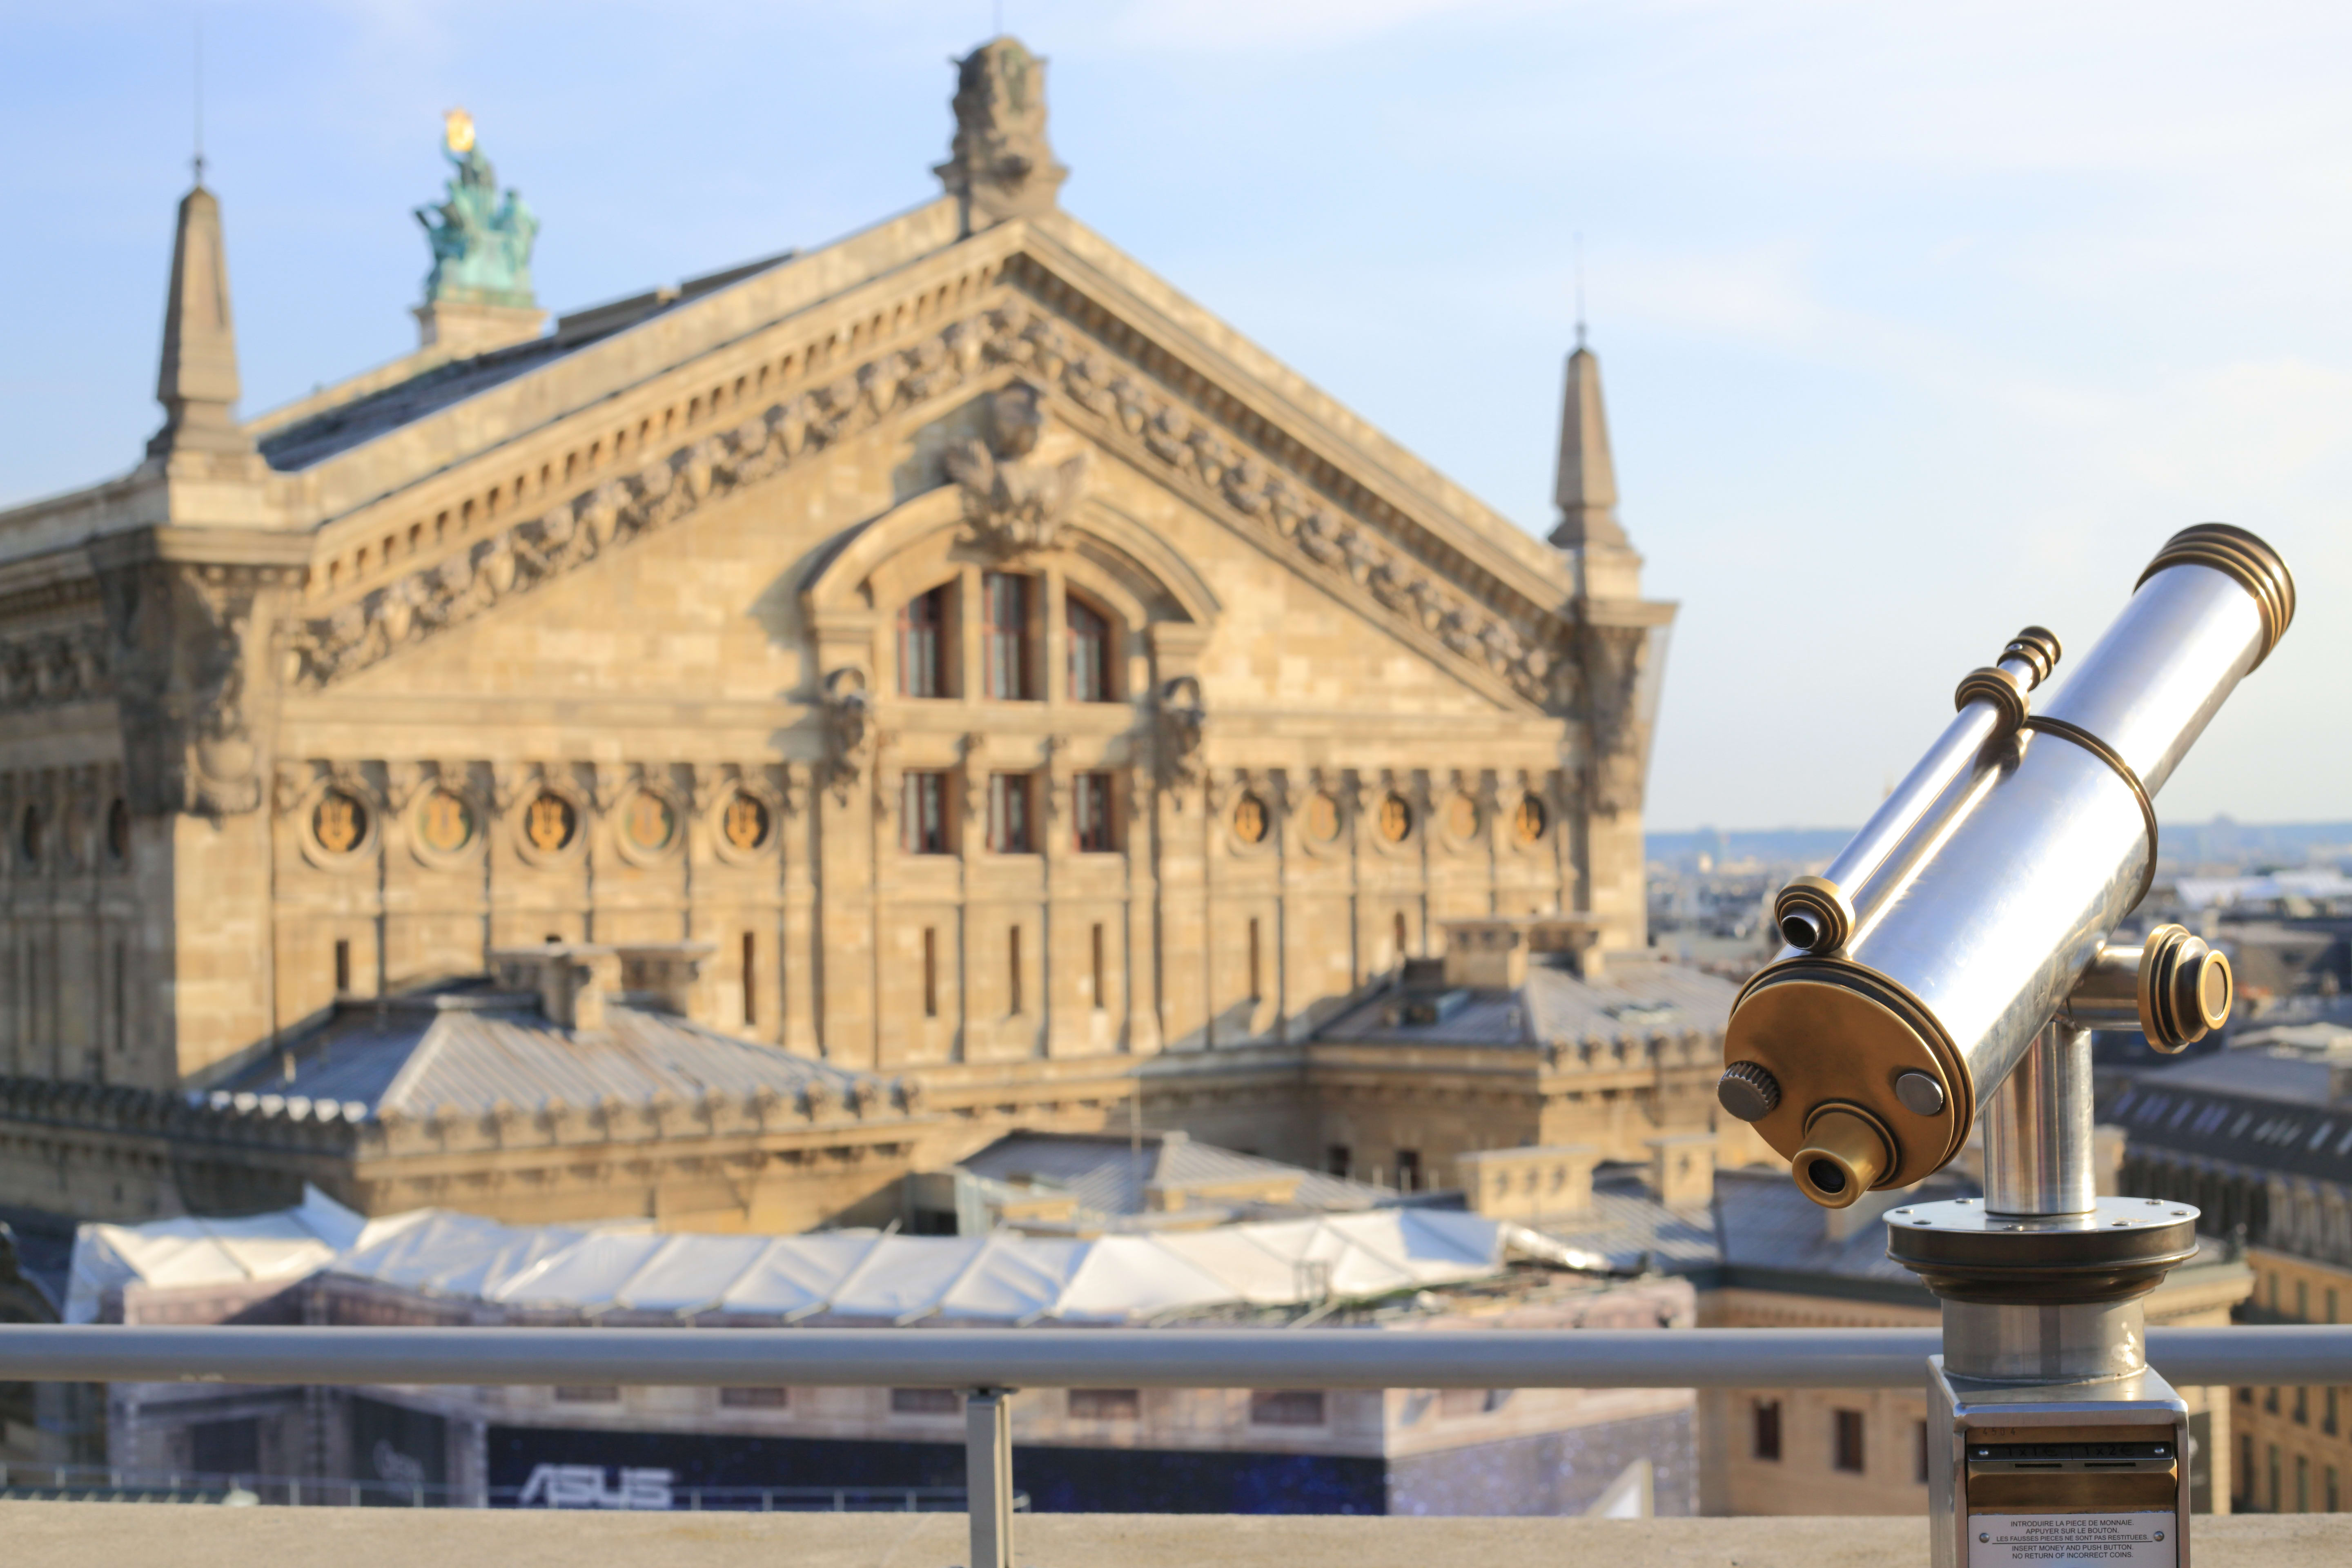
(2029,1471)
(2051,1441)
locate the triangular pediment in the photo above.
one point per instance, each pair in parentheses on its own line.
(1123,360)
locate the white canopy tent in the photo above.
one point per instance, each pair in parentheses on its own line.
(860,1276)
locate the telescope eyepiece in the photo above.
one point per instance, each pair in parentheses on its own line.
(1814,914)
(1845,1151)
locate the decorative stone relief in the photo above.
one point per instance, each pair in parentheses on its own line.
(1613,667)
(194,686)
(1179,722)
(848,727)
(1000,164)
(1014,503)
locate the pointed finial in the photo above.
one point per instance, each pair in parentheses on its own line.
(1586,486)
(197,384)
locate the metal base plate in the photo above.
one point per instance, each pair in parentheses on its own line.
(1965,1253)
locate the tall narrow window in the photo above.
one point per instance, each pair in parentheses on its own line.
(750,979)
(1338,1160)
(1005,643)
(1009,814)
(1257,989)
(931,972)
(1091,657)
(1013,968)
(1099,1005)
(1090,798)
(1408,1170)
(923,644)
(923,813)
(1768,1430)
(121,997)
(1846,1451)
(342,966)
(1400,936)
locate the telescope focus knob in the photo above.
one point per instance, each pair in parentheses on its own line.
(1748,1090)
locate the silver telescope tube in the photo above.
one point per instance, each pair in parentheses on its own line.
(1867,1063)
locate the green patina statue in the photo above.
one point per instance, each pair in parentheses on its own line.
(481,246)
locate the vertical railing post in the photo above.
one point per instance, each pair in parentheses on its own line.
(988,1475)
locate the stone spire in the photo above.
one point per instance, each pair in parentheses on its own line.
(1001,165)
(198,383)
(1586,484)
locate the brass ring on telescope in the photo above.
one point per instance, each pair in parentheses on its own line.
(2243,556)
(2037,647)
(2123,770)
(2005,691)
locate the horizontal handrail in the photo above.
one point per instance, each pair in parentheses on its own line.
(1084,1358)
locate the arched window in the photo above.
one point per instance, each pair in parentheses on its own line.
(1090,654)
(923,662)
(1007,671)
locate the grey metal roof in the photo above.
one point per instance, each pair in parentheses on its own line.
(2269,1108)
(468,1054)
(1638,995)
(1102,1173)
(348,425)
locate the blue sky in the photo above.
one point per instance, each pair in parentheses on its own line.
(1918,323)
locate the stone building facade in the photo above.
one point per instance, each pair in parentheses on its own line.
(987,668)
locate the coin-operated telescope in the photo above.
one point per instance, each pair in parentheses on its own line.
(1948,968)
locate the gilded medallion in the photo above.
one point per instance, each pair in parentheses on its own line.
(1528,822)
(1249,819)
(648,822)
(1395,818)
(550,822)
(744,823)
(444,822)
(338,821)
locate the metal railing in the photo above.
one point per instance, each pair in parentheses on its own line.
(990,1364)
(106,1483)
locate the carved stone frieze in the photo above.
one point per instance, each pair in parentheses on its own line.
(60,665)
(1118,405)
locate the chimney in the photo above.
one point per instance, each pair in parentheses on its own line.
(668,977)
(1487,954)
(1543,1184)
(574,980)
(197,382)
(1682,1169)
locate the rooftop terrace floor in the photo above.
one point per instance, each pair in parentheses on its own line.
(55,1535)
